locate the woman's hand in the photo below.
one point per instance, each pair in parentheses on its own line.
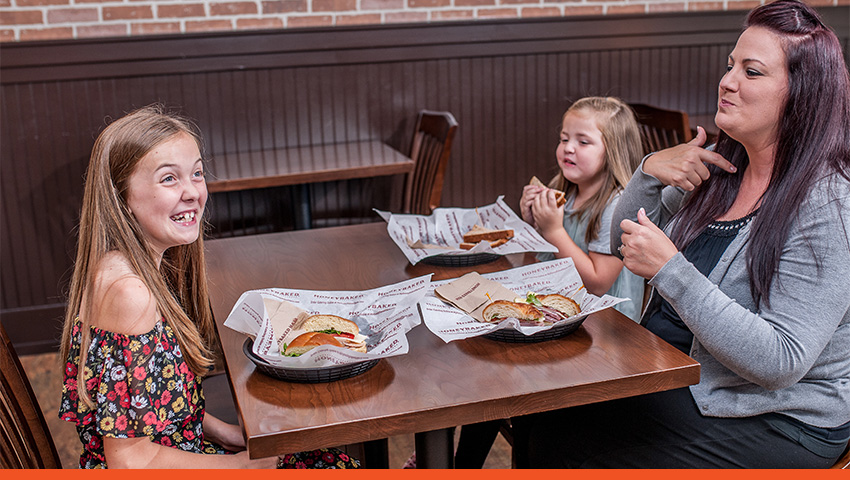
(547,214)
(684,165)
(646,248)
(529,193)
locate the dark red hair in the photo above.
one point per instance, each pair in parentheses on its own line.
(813,141)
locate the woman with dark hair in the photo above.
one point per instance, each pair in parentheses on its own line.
(747,248)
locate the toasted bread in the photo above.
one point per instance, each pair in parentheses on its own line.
(343,331)
(565,305)
(478,233)
(317,323)
(502,309)
(560,196)
(495,243)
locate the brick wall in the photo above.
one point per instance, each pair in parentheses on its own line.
(29,20)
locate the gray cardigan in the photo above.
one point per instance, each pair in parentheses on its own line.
(792,358)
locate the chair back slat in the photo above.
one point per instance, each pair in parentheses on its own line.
(26,441)
(430,150)
(661,128)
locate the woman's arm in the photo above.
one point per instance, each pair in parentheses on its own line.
(142,453)
(647,193)
(684,166)
(773,345)
(660,183)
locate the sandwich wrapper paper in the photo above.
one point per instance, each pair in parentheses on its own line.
(384,315)
(452,308)
(441,233)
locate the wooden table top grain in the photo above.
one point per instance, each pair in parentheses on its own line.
(435,385)
(305,165)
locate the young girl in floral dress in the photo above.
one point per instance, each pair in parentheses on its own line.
(138,331)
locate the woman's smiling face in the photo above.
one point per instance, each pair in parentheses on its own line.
(754,89)
(167,193)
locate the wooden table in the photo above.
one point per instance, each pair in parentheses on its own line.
(435,386)
(301,166)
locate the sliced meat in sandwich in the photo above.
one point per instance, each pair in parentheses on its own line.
(557,307)
(325,330)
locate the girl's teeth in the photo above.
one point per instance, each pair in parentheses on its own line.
(184,217)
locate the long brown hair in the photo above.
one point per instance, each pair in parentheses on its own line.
(179,285)
(812,141)
(623,152)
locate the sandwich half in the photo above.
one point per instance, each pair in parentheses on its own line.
(502,309)
(478,233)
(560,196)
(333,330)
(532,308)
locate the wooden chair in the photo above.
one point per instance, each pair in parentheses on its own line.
(661,128)
(430,149)
(25,441)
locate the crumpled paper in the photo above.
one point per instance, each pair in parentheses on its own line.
(384,315)
(556,276)
(441,233)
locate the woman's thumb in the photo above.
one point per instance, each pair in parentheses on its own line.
(699,139)
(643,219)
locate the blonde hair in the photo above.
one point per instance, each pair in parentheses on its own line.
(179,285)
(623,152)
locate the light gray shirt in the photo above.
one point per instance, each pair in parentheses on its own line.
(792,357)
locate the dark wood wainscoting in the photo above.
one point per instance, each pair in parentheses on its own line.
(506,82)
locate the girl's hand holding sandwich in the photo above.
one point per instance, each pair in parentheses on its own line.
(529,193)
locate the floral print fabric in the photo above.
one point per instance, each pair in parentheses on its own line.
(141,387)
(320,458)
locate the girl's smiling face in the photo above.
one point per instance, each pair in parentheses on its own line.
(167,193)
(581,151)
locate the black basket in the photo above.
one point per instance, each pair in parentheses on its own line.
(307,375)
(511,335)
(462,260)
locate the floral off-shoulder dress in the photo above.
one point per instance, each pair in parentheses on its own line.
(142,387)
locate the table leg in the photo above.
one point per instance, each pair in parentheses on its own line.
(435,449)
(301,209)
(376,453)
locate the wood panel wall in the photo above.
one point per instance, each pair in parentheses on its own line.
(506,82)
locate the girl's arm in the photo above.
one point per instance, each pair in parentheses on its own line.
(598,271)
(227,435)
(142,453)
